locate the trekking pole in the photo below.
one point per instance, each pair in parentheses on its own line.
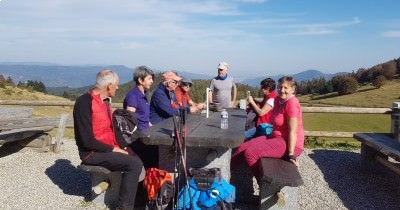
(177,165)
(183,162)
(176,179)
(183,130)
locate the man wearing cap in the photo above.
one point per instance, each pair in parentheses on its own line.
(183,98)
(163,97)
(222,86)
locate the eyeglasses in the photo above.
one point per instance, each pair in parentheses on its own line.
(221,69)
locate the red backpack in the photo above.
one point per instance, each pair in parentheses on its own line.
(159,187)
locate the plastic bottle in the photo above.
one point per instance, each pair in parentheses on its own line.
(224,119)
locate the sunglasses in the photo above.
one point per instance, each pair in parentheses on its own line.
(186,84)
(221,69)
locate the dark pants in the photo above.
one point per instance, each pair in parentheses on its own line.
(130,165)
(147,153)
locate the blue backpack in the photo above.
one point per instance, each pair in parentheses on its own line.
(211,194)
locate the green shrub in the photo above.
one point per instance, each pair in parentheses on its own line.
(347,85)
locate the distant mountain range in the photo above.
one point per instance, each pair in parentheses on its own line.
(54,75)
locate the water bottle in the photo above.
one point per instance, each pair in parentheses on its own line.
(224,119)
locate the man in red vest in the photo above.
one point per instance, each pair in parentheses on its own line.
(96,141)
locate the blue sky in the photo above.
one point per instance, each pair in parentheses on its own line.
(256,37)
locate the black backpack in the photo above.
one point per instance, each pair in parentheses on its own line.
(125,125)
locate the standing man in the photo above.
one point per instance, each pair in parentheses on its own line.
(96,141)
(223,87)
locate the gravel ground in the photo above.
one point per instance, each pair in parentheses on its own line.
(44,180)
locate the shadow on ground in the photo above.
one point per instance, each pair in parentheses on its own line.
(378,189)
(9,149)
(71,180)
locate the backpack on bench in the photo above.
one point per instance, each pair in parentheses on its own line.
(125,125)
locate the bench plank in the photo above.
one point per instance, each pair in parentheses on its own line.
(14,113)
(32,122)
(381,143)
(23,133)
(94,169)
(280,172)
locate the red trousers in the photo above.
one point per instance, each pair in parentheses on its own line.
(254,149)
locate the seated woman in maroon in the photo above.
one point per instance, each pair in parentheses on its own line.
(287,139)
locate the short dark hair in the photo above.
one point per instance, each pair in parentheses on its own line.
(268,83)
(142,72)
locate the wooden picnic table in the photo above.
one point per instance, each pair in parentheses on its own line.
(18,125)
(207,144)
(377,148)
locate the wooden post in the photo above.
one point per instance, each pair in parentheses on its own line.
(60,133)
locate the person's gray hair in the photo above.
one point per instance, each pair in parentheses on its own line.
(106,77)
(141,72)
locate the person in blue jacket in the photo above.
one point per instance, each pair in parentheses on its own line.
(163,97)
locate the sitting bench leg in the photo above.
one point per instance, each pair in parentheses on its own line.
(275,197)
(110,196)
(368,157)
(106,185)
(279,184)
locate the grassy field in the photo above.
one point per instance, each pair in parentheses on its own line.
(343,122)
(367,96)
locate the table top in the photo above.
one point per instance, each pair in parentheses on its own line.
(202,131)
(382,142)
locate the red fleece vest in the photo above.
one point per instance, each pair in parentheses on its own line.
(101,122)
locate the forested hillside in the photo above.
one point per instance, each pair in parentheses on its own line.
(377,86)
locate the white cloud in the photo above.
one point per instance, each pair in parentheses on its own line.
(313,31)
(321,28)
(391,34)
(175,33)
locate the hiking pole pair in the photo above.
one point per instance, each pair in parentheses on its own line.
(180,130)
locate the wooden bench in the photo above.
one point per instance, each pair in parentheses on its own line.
(279,184)
(18,125)
(105,184)
(377,148)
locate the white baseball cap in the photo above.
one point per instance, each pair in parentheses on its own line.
(223,65)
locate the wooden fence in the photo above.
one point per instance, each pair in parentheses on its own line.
(337,134)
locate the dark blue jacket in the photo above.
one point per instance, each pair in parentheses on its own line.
(160,105)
